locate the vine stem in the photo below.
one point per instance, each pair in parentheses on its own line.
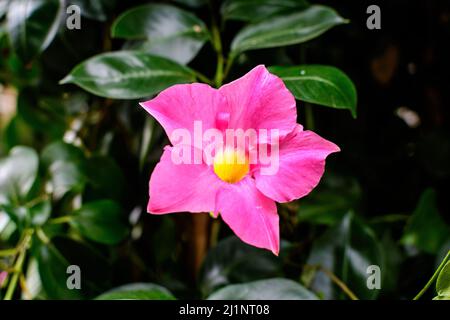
(309,115)
(59,220)
(217,42)
(8,252)
(433,278)
(19,264)
(336,280)
(200,76)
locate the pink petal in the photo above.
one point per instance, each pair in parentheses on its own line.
(251,215)
(182,187)
(180,105)
(301,165)
(258,100)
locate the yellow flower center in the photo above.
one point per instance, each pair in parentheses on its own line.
(231,166)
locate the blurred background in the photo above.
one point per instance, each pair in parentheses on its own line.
(383,199)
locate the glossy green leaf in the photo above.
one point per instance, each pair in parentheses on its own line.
(65,167)
(53,273)
(32,25)
(162,30)
(61,151)
(45,115)
(232,261)
(30,215)
(324,85)
(269,289)
(137,291)
(347,250)
(286,30)
(100,221)
(426,229)
(40,212)
(105,179)
(128,74)
(18,173)
(56,256)
(257,10)
(443,282)
(192,3)
(32,281)
(330,201)
(3,7)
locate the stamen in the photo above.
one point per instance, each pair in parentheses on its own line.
(231,166)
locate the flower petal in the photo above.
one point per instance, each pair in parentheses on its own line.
(179,106)
(301,165)
(260,100)
(181,187)
(251,215)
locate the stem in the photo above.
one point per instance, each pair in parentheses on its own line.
(203,78)
(337,281)
(228,65)
(8,252)
(433,278)
(18,265)
(42,236)
(215,229)
(35,201)
(309,117)
(217,42)
(59,220)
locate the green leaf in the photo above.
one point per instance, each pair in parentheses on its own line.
(40,212)
(61,151)
(55,257)
(443,282)
(347,250)
(18,173)
(165,30)
(232,261)
(254,10)
(95,269)
(105,179)
(30,215)
(52,271)
(270,289)
(32,25)
(65,166)
(32,281)
(330,201)
(426,229)
(3,8)
(128,74)
(324,85)
(137,291)
(100,221)
(286,30)
(46,115)
(192,3)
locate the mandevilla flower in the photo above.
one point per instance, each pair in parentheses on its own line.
(235,183)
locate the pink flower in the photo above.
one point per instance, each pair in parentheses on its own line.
(243,195)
